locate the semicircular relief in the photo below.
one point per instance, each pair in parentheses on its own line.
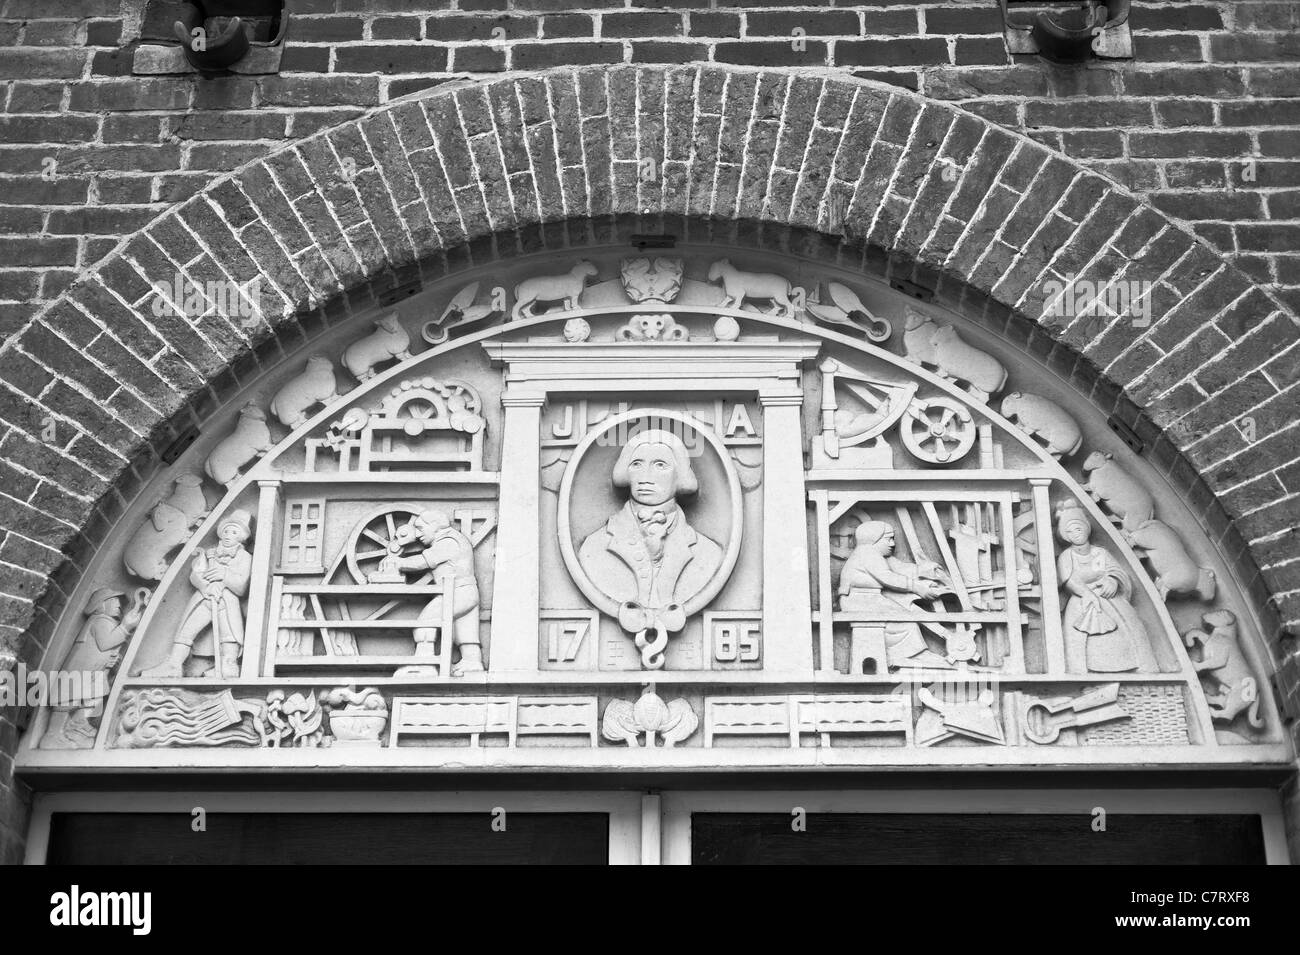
(743,507)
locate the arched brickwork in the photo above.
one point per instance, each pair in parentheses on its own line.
(960,203)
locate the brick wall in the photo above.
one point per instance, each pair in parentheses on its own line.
(1199,122)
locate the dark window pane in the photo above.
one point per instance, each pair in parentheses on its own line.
(1015,839)
(85,838)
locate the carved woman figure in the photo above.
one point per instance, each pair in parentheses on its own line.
(212,625)
(1103,633)
(874,580)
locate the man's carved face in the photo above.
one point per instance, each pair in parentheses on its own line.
(652,475)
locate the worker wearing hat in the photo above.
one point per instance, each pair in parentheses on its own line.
(212,625)
(96,650)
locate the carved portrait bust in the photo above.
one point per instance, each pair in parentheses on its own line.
(647,552)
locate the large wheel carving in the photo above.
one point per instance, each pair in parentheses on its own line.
(374,538)
(938,430)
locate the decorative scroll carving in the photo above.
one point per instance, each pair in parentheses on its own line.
(649,716)
(652,280)
(293,719)
(652,328)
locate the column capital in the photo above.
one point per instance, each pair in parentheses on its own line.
(778,398)
(523,399)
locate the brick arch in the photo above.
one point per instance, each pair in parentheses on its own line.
(953,202)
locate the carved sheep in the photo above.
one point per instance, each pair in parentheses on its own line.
(1045,420)
(1109,485)
(316,385)
(148,551)
(940,346)
(739,286)
(565,288)
(1175,571)
(1223,662)
(187,497)
(388,340)
(250,438)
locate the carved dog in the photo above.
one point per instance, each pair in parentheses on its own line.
(250,438)
(943,348)
(738,286)
(1112,487)
(565,288)
(1045,420)
(1175,571)
(388,340)
(1223,662)
(316,385)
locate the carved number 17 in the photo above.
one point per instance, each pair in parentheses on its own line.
(564,640)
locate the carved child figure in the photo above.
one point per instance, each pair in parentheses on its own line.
(1224,668)
(447,552)
(212,625)
(95,651)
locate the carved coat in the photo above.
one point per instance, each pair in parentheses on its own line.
(617,559)
(95,649)
(1102,634)
(219,598)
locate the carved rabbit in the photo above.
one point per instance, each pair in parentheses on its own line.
(738,285)
(250,438)
(388,340)
(1109,485)
(1173,568)
(1045,420)
(565,288)
(316,385)
(1223,662)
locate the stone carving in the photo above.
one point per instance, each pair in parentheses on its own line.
(250,439)
(461,310)
(388,340)
(947,715)
(652,328)
(940,347)
(170,524)
(870,582)
(356,718)
(577,330)
(167,716)
(1043,719)
(93,654)
(794,716)
(474,717)
(846,309)
(1175,571)
(1103,633)
(1129,503)
(726,329)
(212,624)
(1228,679)
(652,280)
(1044,420)
(315,385)
(294,720)
(624,722)
(647,556)
(448,556)
(565,288)
(740,287)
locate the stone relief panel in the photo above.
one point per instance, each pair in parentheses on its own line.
(623,509)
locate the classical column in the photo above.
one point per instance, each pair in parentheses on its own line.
(260,580)
(787,606)
(515,587)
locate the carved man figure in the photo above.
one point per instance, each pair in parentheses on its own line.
(213,622)
(647,554)
(447,553)
(95,651)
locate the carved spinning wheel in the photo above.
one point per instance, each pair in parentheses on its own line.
(938,430)
(374,538)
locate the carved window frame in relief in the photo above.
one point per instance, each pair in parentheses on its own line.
(908,619)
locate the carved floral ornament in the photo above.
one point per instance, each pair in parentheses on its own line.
(623,510)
